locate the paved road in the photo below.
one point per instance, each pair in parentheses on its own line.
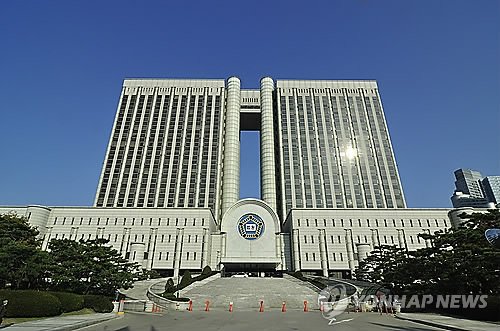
(253,320)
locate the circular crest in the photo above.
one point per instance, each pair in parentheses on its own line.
(250,226)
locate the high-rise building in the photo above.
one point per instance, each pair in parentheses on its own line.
(324,144)
(165,148)
(491,187)
(168,194)
(335,150)
(472,190)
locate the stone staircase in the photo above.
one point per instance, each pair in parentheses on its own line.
(246,293)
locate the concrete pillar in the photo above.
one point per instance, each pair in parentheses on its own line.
(267,156)
(363,251)
(401,238)
(178,252)
(282,253)
(296,253)
(350,253)
(322,252)
(137,253)
(204,256)
(153,234)
(231,167)
(223,244)
(47,238)
(375,242)
(277,240)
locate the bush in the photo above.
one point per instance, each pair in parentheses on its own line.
(207,271)
(170,286)
(69,301)
(28,303)
(99,303)
(186,279)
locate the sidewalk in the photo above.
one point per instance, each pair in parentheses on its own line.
(66,323)
(448,323)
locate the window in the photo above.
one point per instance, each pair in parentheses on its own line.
(159,257)
(305,239)
(307,257)
(341,257)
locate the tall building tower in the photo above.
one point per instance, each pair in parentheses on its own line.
(469,182)
(335,150)
(165,148)
(491,186)
(176,143)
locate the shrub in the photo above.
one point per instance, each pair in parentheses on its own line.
(99,303)
(69,301)
(186,279)
(207,271)
(30,303)
(170,286)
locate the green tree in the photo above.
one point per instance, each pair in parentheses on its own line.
(459,261)
(381,264)
(89,267)
(22,264)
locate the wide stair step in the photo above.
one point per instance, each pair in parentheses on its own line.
(246,293)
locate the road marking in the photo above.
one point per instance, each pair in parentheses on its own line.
(332,321)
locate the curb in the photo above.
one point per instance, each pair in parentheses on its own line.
(428,323)
(73,326)
(84,324)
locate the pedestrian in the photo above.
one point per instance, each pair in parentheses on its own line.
(3,310)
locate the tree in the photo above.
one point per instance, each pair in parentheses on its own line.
(380,265)
(89,267)
(22,263)
(459,260)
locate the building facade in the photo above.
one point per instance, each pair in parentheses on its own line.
(168,194)
(472,190)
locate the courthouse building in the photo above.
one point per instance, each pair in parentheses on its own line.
(168,194)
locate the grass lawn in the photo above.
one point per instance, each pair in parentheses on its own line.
(17,320)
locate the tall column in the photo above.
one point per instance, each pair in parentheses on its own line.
(267,156)
(375,242)
(348,244)
(296,253)
(204,257)
(178,252)
(322,252)
(401,238)
(231,170)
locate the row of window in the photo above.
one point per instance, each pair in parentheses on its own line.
(133,221)
(377,223)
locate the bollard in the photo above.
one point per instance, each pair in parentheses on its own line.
(261,309)
(231,307)
(283,307)
(305,306)
(190,308)
(207,303)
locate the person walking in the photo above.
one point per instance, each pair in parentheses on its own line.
(3,310)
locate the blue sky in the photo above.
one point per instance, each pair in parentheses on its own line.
(62,63)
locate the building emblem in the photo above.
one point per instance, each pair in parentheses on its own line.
(251,226)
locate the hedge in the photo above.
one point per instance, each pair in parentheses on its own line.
(28,303)
(69,301)
(99,303)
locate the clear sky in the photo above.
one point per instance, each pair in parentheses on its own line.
(62,63)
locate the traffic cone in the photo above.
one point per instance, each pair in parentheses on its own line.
(231,307)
